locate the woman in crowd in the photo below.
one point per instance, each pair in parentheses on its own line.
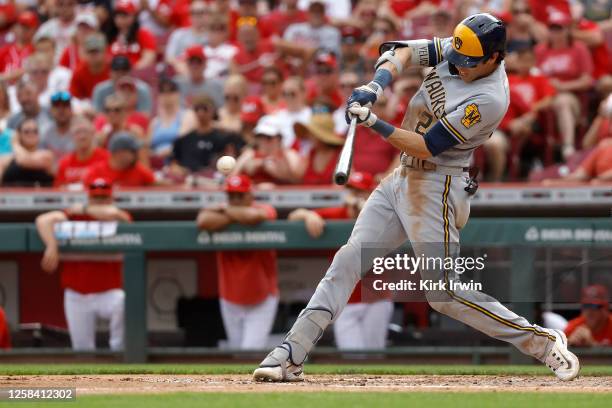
(29,165)
(323,156)
(234,92)
(165,127)
(272,82)
(126,37)
(296,110)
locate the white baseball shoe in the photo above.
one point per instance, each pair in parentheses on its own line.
(277,367)
(560,360)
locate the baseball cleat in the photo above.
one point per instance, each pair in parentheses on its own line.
(277,367)
(561,361)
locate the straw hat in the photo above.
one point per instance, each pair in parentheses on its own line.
(321,127)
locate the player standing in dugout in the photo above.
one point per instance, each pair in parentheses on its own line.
(427,198)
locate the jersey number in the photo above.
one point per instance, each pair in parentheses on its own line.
(424,123)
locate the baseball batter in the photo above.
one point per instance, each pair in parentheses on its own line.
(426,199)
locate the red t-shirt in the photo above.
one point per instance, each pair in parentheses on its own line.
(144,41)
(82,274)
(601,60)
(564,64)
(279,20)
(84,81)
(248,277)
(541,9)
(603,337)
(311,177)
(136,176)
(314,94)
(12,56)
(372,154)
(598,161)
(72,170)
(70,57)
(532,88)
(251,63)
(5,334)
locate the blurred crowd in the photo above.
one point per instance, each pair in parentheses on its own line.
(144,92)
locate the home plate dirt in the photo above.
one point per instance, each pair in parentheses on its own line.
(134,384)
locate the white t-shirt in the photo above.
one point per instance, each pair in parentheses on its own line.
(218,60)
(59,80)
(340,9)
(287,119)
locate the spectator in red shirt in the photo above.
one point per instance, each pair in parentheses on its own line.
(268,163)
(127,38)
(72,167)
(247,279)
(92,70)
(594,325)
(92,282)
(322,88)
(284,15)
(254,53)
(592,35)
(13,55)
(568,64)
(361,325)
(5,333)
(122,167)
(325,149)
(86,24)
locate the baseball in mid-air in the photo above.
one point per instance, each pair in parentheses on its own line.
(226,164)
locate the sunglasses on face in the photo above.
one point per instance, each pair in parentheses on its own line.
(61,104)
(114,109)
(61,97)
(235,196)
(195,61)
(39,72)
(521,11)
(218,28)
(232,98)
(270,82)
(197,12)
(289,94)
(324,70)
(201,108)
(29,131)
(94,51)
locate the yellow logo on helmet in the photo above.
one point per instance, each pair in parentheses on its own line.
(467,40)
(472,116)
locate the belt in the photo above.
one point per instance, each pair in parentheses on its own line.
(424,165)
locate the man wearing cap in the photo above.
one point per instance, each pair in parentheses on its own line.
(122,167)
(316,32)
(120,68)
(72,167)
(62,27)
(352,59)
(193,82)
(197,150)
(248,285)
(254,53)
(594,325)
(12,55)
(92,282)
(363,324)
(268,163)
(56,136)
(182,39)
(92,70)
(322,88)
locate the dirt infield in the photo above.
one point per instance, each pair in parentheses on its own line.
(135,384)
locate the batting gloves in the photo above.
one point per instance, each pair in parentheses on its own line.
(365,95)
(364,114)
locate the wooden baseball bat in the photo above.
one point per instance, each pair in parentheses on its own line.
(343,168)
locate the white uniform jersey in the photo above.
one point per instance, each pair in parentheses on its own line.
(469,112)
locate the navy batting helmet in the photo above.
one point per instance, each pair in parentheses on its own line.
(475,39)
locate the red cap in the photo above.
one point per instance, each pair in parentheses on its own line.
(100,187)
(195,51)
(238,184)
(125,6)
(559,18)
(361,180)
(252,109)
(595,295)
(28,19)
(327,59)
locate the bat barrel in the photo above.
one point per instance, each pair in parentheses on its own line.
(343,168)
